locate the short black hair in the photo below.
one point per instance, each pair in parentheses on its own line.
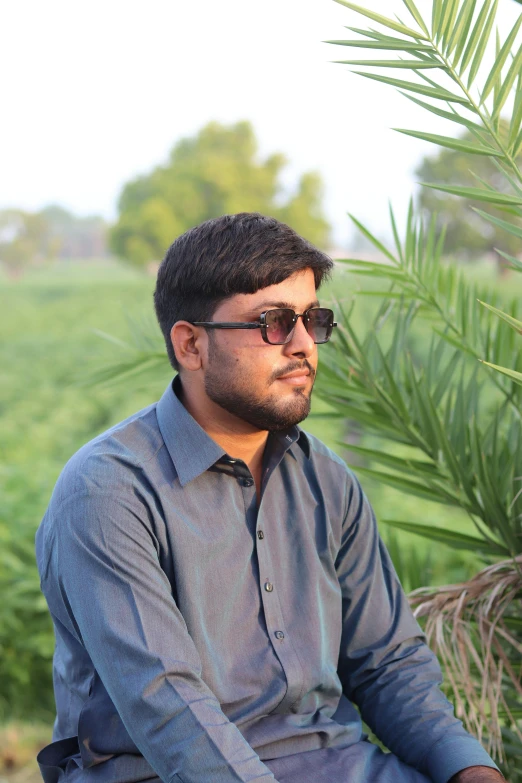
(228,255)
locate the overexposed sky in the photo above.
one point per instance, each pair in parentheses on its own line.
(94,93)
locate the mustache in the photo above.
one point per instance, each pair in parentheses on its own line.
(292,368)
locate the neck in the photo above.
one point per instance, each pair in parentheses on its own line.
(237,437)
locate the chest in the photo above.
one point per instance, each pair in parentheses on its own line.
(244,574)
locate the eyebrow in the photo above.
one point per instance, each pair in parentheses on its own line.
(262,306)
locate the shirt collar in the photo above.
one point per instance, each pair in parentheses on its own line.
(193,451)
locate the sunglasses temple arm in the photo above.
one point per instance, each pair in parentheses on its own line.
(225,325)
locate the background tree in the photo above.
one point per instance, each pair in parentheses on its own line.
(25,239)
(215,172)
(76,237)
(468,236)
(29,238)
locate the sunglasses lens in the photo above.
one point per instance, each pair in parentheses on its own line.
(279,325)
(319,324)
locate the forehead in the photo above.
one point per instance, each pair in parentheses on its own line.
(297,291)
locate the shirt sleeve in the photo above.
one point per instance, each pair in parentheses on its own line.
(120,601)
(385,665)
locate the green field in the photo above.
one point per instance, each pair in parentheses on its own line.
(49,407)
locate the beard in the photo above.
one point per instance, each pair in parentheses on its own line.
(227,387)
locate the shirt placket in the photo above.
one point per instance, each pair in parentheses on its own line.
(279,637)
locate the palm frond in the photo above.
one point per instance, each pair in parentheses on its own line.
(143,355)
(455,414)
(467,625)
(431,403)
(461,33)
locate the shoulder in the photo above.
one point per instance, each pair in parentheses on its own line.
(319,450)
(332,472)
(115,461)
(325,459)
(111,479)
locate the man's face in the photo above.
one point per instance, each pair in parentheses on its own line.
(245,375)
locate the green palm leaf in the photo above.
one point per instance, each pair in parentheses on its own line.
(514,71)
(390,44)
(517,145)
(476,34)
(373,239)
(482,44)
(452,143)
(411,64)
(452,116)
(477,194)
(500,60)
(139,364)
(436,494)
(412,8)
(512,228)
(450,537)
(391,460)
(516,376)
(390,23)
(436,12)
(513,322)
(516,118)
(432,92)
(375,35)
(459,36)
(516,263)
(447,22)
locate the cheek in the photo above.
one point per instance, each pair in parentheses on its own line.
(252,365)
(249,350)
(247,358)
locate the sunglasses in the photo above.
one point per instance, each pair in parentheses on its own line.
(277,326)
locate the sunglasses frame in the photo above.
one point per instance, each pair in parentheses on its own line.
(262,324)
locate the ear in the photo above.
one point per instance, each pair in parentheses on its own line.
(190,344)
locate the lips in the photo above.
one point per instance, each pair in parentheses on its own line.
(295,374)
(296,377)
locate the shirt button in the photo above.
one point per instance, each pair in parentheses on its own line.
(269,587)
(247,482)
(279,635)
(260,535)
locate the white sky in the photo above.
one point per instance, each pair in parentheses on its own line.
(94,93)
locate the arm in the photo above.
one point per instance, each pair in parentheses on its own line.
(477,775)
(121,606)
(385,666)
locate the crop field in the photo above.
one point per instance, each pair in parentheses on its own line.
(50,405)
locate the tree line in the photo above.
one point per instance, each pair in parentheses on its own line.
(219,171)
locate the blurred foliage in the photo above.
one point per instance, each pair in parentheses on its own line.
(467,235)
(46,343)
(213,173)
(20,743)
(32,238)
(458,423)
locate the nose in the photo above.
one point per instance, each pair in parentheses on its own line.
(301,343)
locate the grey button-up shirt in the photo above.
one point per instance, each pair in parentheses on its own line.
(198,635)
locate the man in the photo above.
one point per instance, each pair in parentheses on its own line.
(218,587)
